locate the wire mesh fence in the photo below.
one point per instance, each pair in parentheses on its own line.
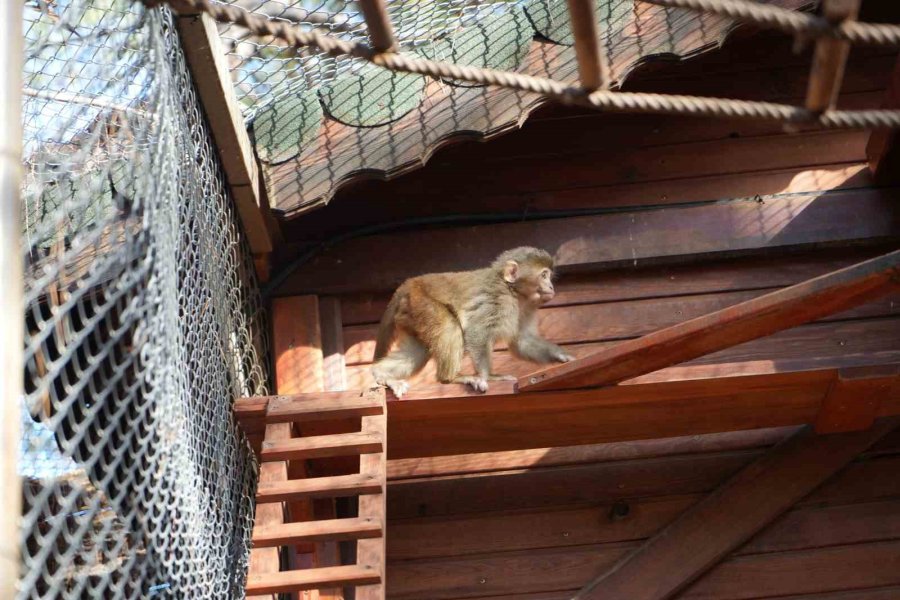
(265,70)
(143,321)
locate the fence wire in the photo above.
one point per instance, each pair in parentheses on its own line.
(265,70)
(143,320)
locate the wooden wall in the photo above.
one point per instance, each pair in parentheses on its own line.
(540,524)
(687,216)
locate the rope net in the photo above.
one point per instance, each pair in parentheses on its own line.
(143,320)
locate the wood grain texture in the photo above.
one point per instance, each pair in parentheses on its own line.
(316,531)
(619,240)
(855,398)
(729,516)
(372,553)
(310,579)
(749,320)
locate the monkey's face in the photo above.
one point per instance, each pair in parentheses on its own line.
(536,285)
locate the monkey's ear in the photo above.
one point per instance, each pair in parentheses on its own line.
(511,271)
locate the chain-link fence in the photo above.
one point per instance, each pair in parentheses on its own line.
(265,70)
(143,321)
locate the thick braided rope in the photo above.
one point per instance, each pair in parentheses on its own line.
(603,100)
(793,22)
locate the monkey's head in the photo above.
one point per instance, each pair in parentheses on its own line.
(529,273)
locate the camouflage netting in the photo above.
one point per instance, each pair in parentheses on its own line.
(143,320)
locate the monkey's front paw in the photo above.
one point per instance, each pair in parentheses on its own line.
(398,386)
(479,384)
(563,357)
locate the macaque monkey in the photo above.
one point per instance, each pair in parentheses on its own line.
(445,315)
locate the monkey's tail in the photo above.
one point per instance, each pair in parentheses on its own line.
(386,330)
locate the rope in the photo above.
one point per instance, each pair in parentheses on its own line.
(630,102)
(796,23)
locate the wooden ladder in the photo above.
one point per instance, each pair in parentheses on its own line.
(367,529)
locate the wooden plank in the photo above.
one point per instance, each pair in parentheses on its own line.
(616,321)
(307,408)
(621,240)
(593,69)
(316,531)
(373,552)
(206,60)
(446,420)
(413,468)
(830,58)
(311,579)
(855,398)
(728,517)
(809,572)
(321,446)
(335,486)
(802,528)
(541,571)
(332,344)
(378,25)
(591,484)
(715,276)
(882,149)
(749,320)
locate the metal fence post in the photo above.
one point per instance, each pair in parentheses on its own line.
(11,292)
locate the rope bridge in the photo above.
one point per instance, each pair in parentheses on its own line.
(834,32)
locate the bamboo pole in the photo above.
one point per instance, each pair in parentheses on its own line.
(11,299)
(830,59)
(381,33)
(593,71)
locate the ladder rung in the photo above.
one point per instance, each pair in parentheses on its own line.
(299,409)
(321,446)
(316,531)
(337,486)
(311,579)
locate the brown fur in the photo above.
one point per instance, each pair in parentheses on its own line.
(445,315)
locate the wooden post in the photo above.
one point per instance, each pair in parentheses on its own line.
(12,310)
(729,516)
(830,58)
(298,368)
(883,149)
(206,61)
(381,34)
(593,70)
(374,466)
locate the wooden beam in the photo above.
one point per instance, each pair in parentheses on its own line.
(321,446)
(209,71)
(883,149)
(830,58)
(335,486)
(855,397)
(444,420)
(788,307)
(728,517)
(316,531)
(593,69)
(381,33)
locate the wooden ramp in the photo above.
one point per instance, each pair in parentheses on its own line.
(367,529)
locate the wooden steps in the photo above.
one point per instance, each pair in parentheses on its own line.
(338,486)
(321,446)
(367,529)
(317,531)
(312,579)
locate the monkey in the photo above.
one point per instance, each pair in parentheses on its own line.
(445,315)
